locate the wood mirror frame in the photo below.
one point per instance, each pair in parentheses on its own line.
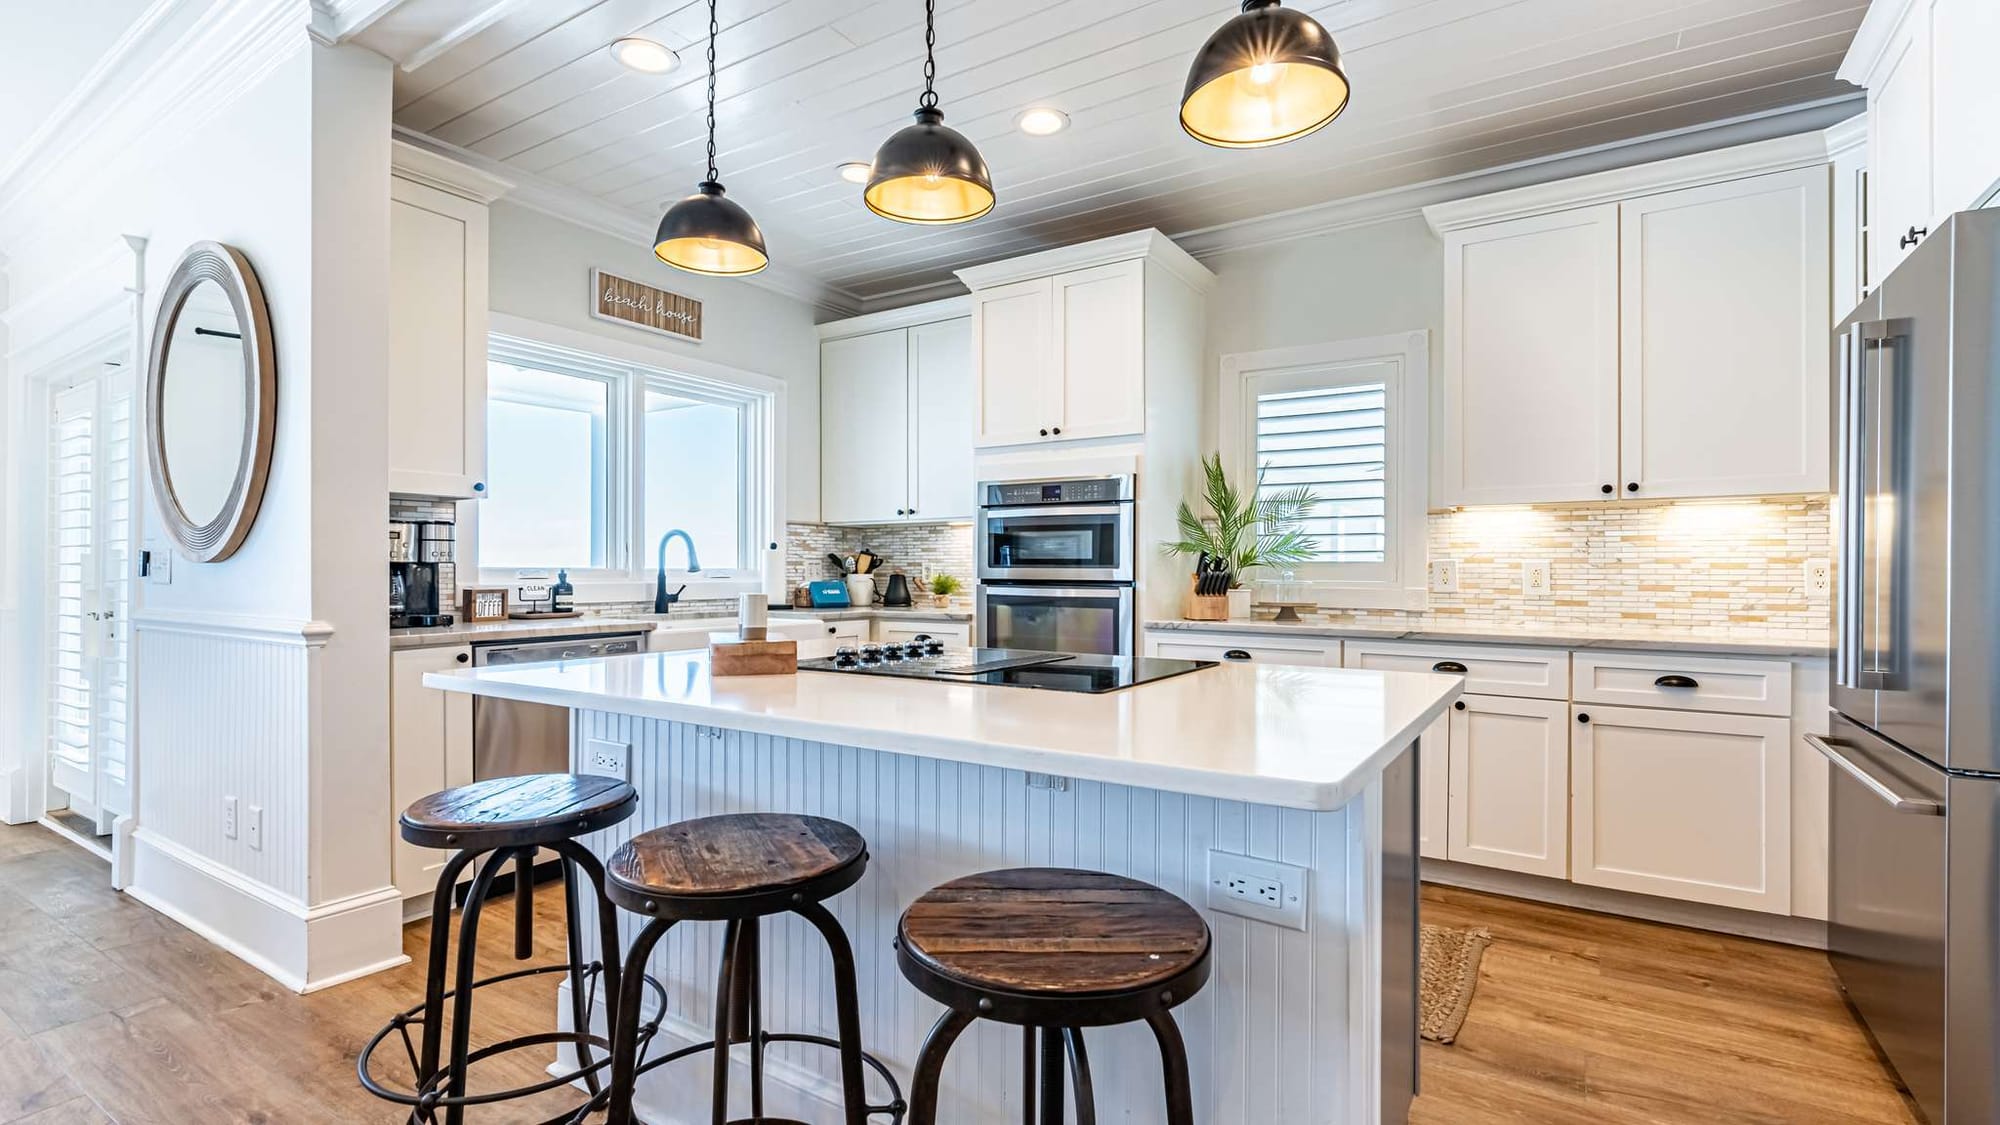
(220,537)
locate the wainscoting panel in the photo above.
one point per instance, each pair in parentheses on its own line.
(928,821)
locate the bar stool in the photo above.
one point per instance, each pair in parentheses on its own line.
(738,869)
(1056,951)
(505,819)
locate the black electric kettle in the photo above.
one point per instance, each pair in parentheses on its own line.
(898,592)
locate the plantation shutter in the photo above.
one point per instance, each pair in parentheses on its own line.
(1333,440)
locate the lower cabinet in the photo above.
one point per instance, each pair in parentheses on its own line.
(1434,788)
(1689,805)
(1179,645)
(430,748)
(953,635)
(1509,785)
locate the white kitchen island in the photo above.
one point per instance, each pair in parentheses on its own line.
(1313,767)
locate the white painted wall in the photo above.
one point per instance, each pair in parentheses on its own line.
(540,270)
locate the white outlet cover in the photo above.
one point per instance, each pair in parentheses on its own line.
(253,828)
(1444,576)
(1536,578)
(1229,868)
(1818,575)
(605,758)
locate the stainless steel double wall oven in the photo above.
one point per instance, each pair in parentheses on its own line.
(1056,565)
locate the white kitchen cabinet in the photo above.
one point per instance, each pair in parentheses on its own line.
(953,634)
(1965,103)
(1434,789)
(1723,334)
(1530,391)
(1538,673)
(430,749)
(896,417)
(1069,344)
(1509,788)
(1899,143)
(1689,805)
(437,326)
(1240,648)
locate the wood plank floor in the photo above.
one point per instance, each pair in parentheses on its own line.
(111,1013)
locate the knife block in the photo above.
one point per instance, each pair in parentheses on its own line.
(1202,607)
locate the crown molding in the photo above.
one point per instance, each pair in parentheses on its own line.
(1873,39)
(560,201)
(1847,136)
(334,22)
(1148,244)
(421,165)
(902,316)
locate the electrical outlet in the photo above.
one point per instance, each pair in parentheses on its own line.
(1535,579)
(1261,889)
(229,818)
(605,758)
(1819,578)
(1444,576)
(253,829)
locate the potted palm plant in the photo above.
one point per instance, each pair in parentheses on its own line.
(1243,530)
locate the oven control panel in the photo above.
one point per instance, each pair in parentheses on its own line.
(1086,490)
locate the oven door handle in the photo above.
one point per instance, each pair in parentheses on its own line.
(1049,592)
(1902,802)
(1060,510)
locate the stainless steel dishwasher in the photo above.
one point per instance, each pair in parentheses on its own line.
(510,738)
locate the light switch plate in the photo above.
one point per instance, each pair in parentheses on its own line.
(1444,576)
(1260,889)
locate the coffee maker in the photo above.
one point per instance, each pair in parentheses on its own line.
(420,562)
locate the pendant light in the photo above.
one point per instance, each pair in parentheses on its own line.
(707,232)
(926,172)
(1269,75)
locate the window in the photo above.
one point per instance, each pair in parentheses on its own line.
(1349,421)
(591,460)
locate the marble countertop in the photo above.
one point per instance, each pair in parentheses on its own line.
(1306,738)
(590,625)
(1648,640)
(878,612)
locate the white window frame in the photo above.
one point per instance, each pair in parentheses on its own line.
(1399,582)
(630,574)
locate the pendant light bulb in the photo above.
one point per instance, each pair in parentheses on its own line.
(929,173)
(1269,75)
(707,232)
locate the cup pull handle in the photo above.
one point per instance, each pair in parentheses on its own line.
(1236,654)
(1677,681)
(1452,667)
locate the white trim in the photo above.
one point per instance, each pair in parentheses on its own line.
(905,316)
(334,22)
(1847,136)
(1873,39)
(422,166)
(1789,929)
(207,623)
(465,29)
(1148,244)
(1784,154)
(1402,583)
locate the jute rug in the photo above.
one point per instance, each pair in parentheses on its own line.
(1450,971)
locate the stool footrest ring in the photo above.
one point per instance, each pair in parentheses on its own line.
(894,1108)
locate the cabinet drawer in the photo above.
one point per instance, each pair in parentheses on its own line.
(1685,683)
(1245,648)
(1524,673)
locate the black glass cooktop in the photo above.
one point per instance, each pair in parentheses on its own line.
(923,658)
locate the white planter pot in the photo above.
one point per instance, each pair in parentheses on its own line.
(1239,604)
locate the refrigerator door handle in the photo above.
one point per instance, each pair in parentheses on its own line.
(1853,505)
(1915,805)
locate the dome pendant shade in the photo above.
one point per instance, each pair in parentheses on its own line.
(1268,76)
(708,233)
(929,173)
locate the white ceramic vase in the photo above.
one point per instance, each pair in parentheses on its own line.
(1239,604)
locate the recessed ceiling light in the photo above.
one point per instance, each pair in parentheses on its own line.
(644,55)
(856,171)
(1042,121)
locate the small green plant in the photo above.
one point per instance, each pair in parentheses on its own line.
(1243,530)
(944,585)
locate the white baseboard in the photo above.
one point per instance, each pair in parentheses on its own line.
(14,797)
(303,948)
(1807,932)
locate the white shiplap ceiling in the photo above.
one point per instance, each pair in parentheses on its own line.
(1442,88)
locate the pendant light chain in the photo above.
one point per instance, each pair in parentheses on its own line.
(713,28)
(929,100)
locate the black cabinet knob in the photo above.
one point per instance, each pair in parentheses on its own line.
(1458,705)
(1582,717)
(833,628)
(901,512)
(1045,433)
(464,657)
(1915,235)
(1607,490)
(1451,666)
(1631,486)
(1236,654)
(1055,430)
(913,511)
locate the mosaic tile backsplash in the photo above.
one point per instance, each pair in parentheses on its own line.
(918,550)
(1735,567)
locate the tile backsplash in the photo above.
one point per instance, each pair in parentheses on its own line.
(918,550)
(403,509)
(1734,567)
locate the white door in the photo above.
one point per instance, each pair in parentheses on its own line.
(1509,804)
(943,487)
(1723,386)
(1014,362)
(1685,804)
(1530,403)
(1434,788)
(864,428)
(1899,145)
(89,575)
(1100,330)
(1965,102)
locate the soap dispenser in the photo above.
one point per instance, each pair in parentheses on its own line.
(562,596)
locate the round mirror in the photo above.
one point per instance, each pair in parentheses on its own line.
(211,402)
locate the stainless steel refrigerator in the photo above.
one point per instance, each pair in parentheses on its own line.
(1914,894)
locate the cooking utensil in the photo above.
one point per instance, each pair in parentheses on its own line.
(865,562)
(838,565)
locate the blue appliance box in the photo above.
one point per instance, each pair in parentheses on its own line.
(829,594)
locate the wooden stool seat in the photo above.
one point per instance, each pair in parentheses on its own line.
(506,812)
(736,866)
(1054,934)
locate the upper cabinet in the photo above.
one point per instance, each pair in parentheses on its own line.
(1933,116)
(437,325)
(1649,333)
(896,416)
(1076,343)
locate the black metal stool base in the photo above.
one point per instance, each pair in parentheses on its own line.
(894,1108)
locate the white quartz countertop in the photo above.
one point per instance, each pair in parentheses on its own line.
(1540,636)
(1306,738)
